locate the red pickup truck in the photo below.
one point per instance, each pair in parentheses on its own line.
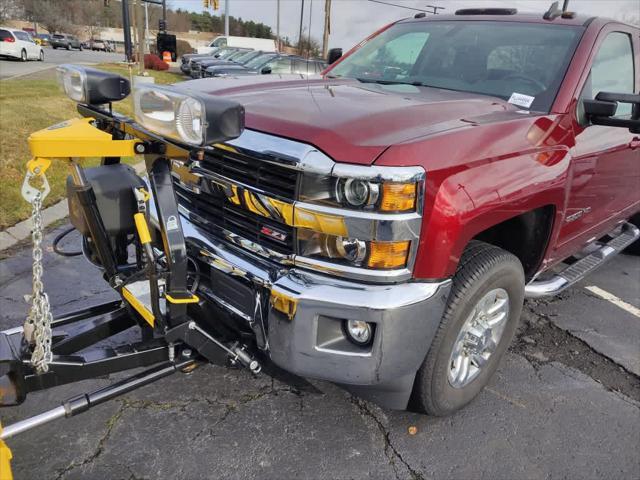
(378,226)
(440,172)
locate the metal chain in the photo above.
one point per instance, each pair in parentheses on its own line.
(37,327)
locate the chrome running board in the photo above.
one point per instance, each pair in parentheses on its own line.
(580,269)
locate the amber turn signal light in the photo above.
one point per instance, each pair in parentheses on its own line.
(398,197)
(388,255)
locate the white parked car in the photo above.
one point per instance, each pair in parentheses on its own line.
(19,44)
(264,44)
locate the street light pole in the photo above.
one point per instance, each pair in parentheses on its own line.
(146,27)
(226,18)
(278,25)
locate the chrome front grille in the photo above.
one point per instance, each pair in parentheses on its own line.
(270,178)
(220,191)
(215,216)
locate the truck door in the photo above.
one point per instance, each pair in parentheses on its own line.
(606,160)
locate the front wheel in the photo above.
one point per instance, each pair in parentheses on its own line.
(478,324)
(41,56)
(23,56)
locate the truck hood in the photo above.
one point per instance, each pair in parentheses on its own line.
(350,121)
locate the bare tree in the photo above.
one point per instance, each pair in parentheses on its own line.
(93,16)
(8,10)
(51,14)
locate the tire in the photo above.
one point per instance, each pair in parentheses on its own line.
(68,47)
(41,56)
(23,56)
(484,271)
(55,48)
(80,49)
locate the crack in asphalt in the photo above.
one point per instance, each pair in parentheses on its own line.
(111,423)
(390,450)
(540,341)
(244,400)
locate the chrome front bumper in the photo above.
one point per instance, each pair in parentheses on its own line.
(311,341)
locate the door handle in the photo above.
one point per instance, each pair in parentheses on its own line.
(634,143)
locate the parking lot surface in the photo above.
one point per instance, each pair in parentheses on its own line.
(16,68)
(564,404)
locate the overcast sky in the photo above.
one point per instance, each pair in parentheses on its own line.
(353,20)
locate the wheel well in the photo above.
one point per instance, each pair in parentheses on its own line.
(526,236)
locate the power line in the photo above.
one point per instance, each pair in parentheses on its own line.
(400,6)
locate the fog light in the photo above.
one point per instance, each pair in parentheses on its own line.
(358,332)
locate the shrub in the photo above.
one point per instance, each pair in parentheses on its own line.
(154,62)
(182,47)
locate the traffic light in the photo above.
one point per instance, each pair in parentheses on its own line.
(216,4)
(205,4)
(162,24)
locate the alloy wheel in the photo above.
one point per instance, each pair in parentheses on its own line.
(478,338)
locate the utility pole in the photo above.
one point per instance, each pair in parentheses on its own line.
(141,38)
(164,11)
(278,26)
(146,27)
(300,34)
(126,27)
(327,28)
(226,18)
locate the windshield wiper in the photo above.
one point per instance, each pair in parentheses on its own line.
(381,81)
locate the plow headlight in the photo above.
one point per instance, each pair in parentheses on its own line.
(91,86)
(191,118)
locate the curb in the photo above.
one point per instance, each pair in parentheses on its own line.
(56,212)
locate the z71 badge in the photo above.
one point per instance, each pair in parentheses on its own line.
(270,232)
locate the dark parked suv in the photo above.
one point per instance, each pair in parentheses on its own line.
(62,40)
(268,63)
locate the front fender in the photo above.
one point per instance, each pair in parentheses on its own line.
(470,201)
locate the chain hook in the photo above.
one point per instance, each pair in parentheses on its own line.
(37,326)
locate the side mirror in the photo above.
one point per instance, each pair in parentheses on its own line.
(601,111)
(265,70)
(333,55)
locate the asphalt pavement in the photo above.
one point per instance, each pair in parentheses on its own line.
(16,68)
(564,404)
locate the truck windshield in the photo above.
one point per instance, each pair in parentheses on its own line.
(520,62)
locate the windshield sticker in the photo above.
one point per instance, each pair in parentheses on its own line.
(521,99)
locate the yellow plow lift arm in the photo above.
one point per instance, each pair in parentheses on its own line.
(75,138)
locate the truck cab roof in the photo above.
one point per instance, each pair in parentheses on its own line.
(575,20)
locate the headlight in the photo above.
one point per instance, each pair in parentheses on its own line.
(384,189)
(190,118)
(356,193)
(357,219)
(91,86)
(353,252)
